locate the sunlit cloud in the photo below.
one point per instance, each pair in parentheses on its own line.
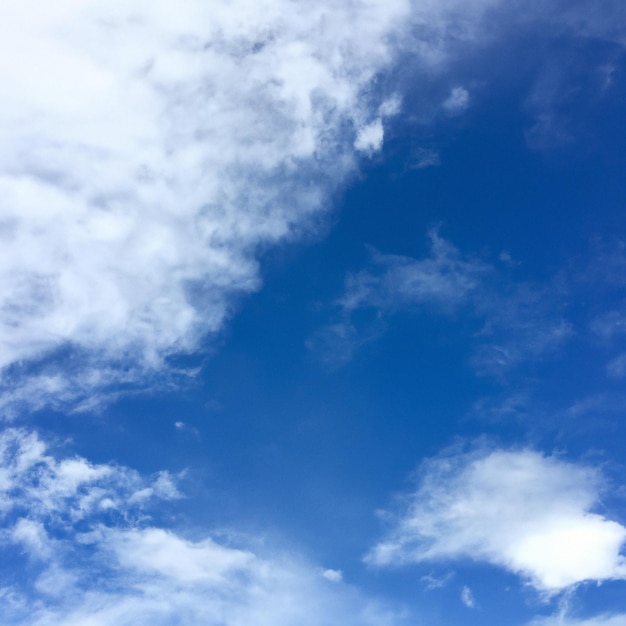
(148,153)
(520,510)
(86,550)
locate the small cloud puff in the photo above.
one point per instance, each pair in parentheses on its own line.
(369,139)
(334,575)
(391,106)
(467,597)
(457,101)
(424,157)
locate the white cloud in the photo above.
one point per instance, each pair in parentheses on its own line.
(531,514)
(467,597)
(433,582)
(90,555)
(63,492)
(370,138)
(425,157)
(444,278)
(443,281)
(148,152)
(154,577)
(334,575)
(457,101)
(520,321)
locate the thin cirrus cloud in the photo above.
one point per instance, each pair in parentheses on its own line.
(564,620)
(516,321)
(442,281)
(616,368)
(444,278)
(609,325)
(92,554)
(533,515)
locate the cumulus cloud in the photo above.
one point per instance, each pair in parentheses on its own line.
(147,153)
(82,548)
(370,137)
(334,575)
(520,510)
(37,487)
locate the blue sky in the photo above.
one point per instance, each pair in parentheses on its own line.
(313,313)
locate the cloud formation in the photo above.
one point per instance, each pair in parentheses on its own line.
(149,153)
(528,513)
(148,158)
(467,597)
(84,550)
(444,278)
(457,101)
(516,321)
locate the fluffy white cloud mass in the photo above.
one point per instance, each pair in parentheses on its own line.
(531,514)
(150,148)
(78,548)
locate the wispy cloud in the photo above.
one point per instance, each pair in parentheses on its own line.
(445,278)
(88,552)
(516,321)
(433,582)
(442,282)
(531,514)
(467,597)
(522,322)
(616,368)
(37,485)
(457,101)
(609,325)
